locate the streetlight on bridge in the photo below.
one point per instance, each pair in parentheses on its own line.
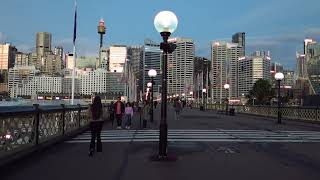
(204,90)
(226,87)
(279,77)
(165,23)
(152,74)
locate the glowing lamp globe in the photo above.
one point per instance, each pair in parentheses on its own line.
(226,86)
(149,84)
(152,73)
(204,90)
(191,93)
(166,21)
(279,76)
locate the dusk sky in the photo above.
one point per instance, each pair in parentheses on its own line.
(276,25)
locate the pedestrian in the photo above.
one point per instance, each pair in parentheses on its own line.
(119,111)
(177,108)
(155,104)
(96,123)
(140,108)
(111,112)
(128,115)
(146,114)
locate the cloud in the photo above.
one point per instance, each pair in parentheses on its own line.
(203,50)
(25,47)
(289,38)
(312,32)
(283,47)
(85,46)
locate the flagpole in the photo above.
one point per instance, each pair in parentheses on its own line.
(74,54)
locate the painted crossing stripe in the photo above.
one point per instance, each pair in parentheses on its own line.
(217,135)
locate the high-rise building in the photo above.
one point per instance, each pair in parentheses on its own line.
(48,84)
(251,69)
(225,69)
(67,85)
(301,67)
(117,57)
(180,67)
(7,59)
(93,82)
(38,85)
(151,60)
(289,78)
(85,62)
(22,59)
(19,76)
(306,42)
(104,58)
(136,56)
(43,43)
(130,81)
(115,85)
(34,60)
(201,74)
(69,61)
(313,66)
(58,51)
(240,38)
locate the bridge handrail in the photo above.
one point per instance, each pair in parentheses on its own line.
(27,127)
(306,113)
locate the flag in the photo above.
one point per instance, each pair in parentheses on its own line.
(75,24)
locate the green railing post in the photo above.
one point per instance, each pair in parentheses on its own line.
(317,113)
(36,120)
(63,117)
(79,115)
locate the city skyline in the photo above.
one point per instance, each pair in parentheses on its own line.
(265,24)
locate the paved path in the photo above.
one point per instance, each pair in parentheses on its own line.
(208,146)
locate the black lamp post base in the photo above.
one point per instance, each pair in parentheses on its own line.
(167,158)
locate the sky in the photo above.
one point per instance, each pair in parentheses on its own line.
(276,25)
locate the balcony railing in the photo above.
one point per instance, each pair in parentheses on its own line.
(23,128)
(296,113)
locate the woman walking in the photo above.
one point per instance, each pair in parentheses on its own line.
(96,122)
(177,108)
(128,115)
(146,114)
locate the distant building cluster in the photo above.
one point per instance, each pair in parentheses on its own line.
(122,70)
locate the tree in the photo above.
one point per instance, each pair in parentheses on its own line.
(261,93)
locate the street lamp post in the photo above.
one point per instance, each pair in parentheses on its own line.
(191,101)
(203,98)
(226,87)
(279,77)
(165,23)
(152,74)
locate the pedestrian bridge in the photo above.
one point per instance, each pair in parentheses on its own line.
(52,143)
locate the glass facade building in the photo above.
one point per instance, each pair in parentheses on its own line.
(313,66)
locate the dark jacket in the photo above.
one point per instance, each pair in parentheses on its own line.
(115,107)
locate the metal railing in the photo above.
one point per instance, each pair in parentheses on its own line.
(287,112)
(27,127)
